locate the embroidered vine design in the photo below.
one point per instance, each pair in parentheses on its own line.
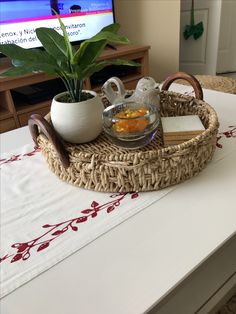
(20,156)
(227,134)
(58,229)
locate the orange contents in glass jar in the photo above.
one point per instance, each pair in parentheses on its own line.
(133,125)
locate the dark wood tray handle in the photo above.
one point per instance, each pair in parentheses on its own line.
(187,77)
(35,122)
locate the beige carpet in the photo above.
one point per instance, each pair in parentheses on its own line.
(218,83)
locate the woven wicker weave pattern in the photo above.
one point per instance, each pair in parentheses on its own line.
(101,166)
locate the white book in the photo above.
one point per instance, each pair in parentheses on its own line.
(182,124)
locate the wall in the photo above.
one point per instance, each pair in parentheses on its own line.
(226,61)
(155,23)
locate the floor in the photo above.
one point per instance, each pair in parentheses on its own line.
(229,307)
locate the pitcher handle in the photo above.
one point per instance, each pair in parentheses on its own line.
(110,93)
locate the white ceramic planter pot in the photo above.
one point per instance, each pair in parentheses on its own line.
(79,122)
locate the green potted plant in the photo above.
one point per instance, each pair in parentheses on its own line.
(75,114)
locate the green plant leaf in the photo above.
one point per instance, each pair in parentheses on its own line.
(52,42)
(30,67)
(15,52)
(111,28)
(90,52)
(25,67)
(96,67)
(105,37)
(110,37)
(31,60)
(66,38)
(16,71)
(85,72)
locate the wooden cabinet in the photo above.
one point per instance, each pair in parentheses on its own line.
(15,110)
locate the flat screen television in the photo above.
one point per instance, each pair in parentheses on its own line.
(82,18)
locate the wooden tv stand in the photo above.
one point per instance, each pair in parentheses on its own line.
(14,112)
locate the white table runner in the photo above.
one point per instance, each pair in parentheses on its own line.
(44,220)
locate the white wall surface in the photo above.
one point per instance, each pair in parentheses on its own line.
(226,61)
(155,23)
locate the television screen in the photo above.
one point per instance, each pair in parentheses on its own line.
(82,18)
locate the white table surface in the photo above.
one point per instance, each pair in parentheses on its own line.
(133,266)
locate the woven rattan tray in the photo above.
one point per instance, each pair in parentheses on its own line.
(102,166)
